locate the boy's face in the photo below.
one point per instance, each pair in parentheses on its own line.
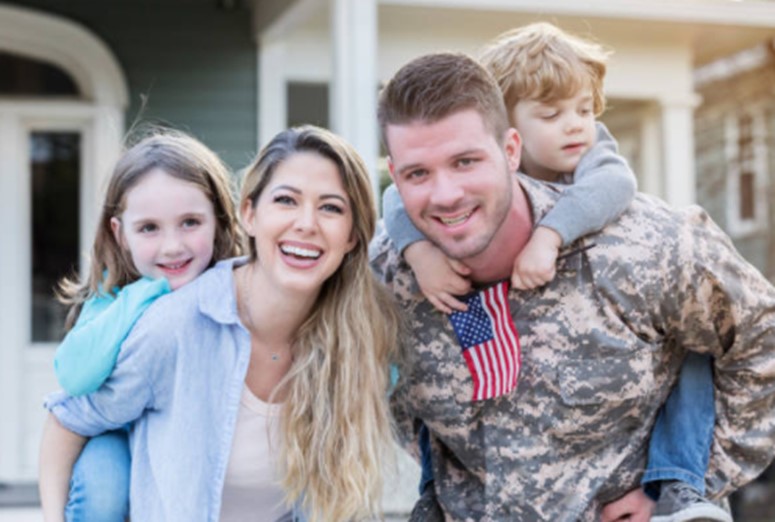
(555,135)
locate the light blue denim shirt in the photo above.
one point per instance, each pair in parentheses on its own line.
(179,376)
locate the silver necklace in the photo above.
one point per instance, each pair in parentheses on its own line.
(246,308)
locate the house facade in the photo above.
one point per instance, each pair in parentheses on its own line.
(735,134)
(75,75)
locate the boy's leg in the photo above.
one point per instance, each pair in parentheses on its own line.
(427,508)
(426,478)
(680,440)
(99,488)
(680,446)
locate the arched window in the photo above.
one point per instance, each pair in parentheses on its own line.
(22,76)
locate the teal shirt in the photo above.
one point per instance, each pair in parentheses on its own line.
(87,355)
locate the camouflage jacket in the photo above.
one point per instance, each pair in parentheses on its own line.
(602,345)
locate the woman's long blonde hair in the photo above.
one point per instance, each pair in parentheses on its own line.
(336,433)
(180,156)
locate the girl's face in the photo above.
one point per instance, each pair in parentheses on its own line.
(168,227)
(302,223)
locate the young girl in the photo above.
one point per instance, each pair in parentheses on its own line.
(263,383)
(168,215)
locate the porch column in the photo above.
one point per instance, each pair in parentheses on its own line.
(679,171)
(13,224)
(272,89)
(651,173)
(353,90)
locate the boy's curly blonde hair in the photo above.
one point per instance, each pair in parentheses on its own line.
(544,63)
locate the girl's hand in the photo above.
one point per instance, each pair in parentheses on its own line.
(536,264)
(439,277)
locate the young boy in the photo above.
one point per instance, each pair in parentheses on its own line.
(552,84)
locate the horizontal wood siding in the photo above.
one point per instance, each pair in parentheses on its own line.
(195,63)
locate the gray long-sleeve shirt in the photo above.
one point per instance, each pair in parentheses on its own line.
(601,188)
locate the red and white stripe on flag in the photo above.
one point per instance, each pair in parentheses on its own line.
(490,342)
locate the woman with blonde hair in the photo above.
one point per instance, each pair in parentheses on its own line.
(262,384)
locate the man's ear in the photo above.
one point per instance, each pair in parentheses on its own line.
(512,146)
(391,169)
(115,227)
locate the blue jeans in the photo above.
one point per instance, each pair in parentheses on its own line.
(680,440)
(426,478)
(99,488)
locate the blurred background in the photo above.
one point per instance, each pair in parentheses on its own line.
(691,89)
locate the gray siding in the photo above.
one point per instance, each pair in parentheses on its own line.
(195,63)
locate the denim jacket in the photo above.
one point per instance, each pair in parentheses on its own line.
(178,378)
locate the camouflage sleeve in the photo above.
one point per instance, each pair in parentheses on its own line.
(715,302)
(407,426)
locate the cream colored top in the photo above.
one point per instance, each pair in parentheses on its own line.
(252,490)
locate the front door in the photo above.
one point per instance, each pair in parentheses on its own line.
(41,191)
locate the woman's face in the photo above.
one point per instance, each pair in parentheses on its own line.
(302,223)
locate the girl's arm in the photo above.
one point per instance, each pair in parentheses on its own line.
(603,187)
(87,355)
(59,449)
(397,223)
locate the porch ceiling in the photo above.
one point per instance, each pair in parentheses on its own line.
(713,28)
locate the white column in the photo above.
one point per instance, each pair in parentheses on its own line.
(679,174)
(651,163)
(14,322)
(272,89)
(101,149)
(353,89)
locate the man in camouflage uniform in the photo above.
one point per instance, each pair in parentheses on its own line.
(601,344)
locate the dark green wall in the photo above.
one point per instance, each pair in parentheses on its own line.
(195,63)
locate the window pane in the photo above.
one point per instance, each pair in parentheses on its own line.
(24,77)
(747,201)
(55,168)
(308,103)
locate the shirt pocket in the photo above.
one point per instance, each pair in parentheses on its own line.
(607,394)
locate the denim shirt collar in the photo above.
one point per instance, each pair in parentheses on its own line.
(217,289)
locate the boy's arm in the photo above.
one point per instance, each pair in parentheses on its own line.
(87,355)
(603,187)
(440,279)
(59,449)
(397,223)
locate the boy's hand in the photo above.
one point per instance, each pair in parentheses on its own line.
(635,506)
(536,264)
(439,277)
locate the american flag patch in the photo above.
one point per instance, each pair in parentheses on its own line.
(489,341)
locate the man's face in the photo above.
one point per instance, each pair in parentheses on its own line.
(455,178)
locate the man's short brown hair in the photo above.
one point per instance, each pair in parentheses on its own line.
(434,86)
